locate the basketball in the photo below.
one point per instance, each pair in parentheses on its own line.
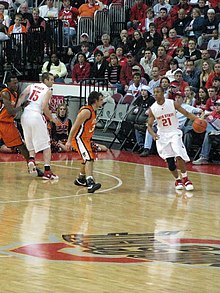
(199,125)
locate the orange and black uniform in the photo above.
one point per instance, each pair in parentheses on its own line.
(60,132)
(81,140)
(8,131)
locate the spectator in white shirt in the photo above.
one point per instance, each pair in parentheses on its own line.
(48,10)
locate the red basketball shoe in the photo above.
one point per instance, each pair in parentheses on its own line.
(187,183)
(179,184)
(49,175)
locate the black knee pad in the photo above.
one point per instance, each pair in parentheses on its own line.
(171,163)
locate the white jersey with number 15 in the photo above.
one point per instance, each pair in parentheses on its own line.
(37,96)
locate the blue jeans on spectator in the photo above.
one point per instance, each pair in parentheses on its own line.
(206,145)
(149,139)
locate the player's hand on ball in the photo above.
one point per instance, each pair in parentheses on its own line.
(156,137)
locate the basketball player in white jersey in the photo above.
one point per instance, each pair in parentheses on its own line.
(169,137)
(34,123)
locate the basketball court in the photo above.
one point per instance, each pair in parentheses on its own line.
(135,234)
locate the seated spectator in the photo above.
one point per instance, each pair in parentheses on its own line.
(189,96)
(162,61)
(210,24)
(69,15)
(81,70)
(183,4)
(179,82)
(88,9)
(205,57)
(214,42)
(3,31)
(112,72)
(60,130)
(126,71)
(141,104)
(155,81)
(195,26)
(163,20)
(181,22)
(212,98)
(175,42)
(137,69)
(216,84)
(135,86)
(147,62)
(23,9)
(213,127)
(138,44)
(206,70)
(99,67)
(144,25)
(203,8)
(17,27)
(7,19)
(201,98)
(84,37)
(164,33)
(120,55)
(173,67)
(191,75)
(122,41)
(48,10)
(191,52)
(106,48)
(137,14)
(216,73)
(165,84)
(152,38)
(36,23)
(56,67)
(85,50)
(159,5)
(180,57)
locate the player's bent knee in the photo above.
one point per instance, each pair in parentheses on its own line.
(171,164)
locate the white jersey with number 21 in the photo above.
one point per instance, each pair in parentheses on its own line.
(166,116)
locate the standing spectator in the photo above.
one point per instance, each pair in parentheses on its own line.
(48,10)
(69,15)
(34,125)
(88,9)
(137,14)
(162,61)
(106,48)
(195,27)
(191,75)
(80,138)
(81,70)
(56,68)
(163,20)
(126,71)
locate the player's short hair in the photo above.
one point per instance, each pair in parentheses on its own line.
(46,75)
(93,97)
(9,77)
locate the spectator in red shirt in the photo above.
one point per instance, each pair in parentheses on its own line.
(120,55)
(163,20)
(81,69)
(138,12)
(162,61)
(178,76)
(175,42)
(210,103)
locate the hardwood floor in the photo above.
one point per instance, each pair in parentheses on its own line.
(136,234)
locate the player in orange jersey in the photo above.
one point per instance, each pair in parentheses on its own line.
(80,138)
(8,110)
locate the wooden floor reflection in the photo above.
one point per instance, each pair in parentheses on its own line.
(136,234)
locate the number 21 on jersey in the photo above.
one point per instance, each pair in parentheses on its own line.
(166,122)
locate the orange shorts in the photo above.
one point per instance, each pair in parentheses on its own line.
(84,148)
(10,134)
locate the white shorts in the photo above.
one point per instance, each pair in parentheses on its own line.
(171,145)
(35,130)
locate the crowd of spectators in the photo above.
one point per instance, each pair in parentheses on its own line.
(174,45)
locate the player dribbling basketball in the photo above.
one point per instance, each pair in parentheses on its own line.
(169,137)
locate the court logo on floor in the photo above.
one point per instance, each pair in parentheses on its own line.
(129,248)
